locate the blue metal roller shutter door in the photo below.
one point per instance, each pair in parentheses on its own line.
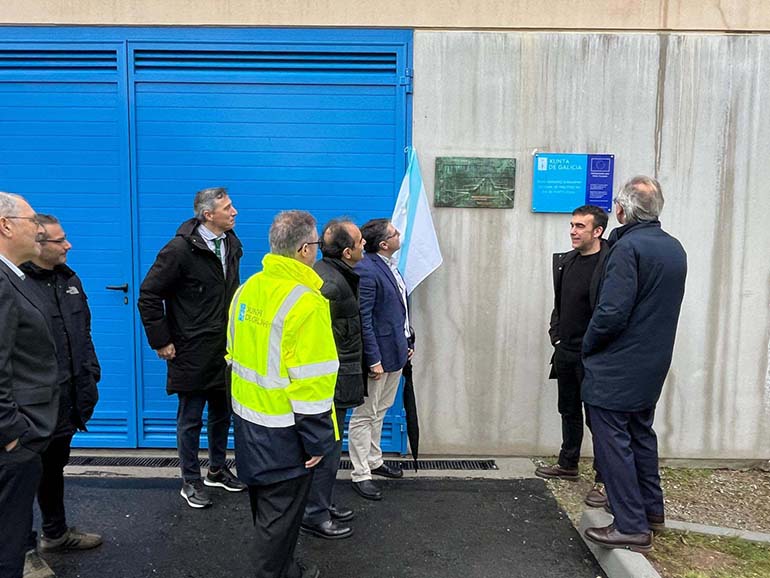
(64,146)
(281,127)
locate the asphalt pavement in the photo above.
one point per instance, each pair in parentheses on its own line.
(426,528)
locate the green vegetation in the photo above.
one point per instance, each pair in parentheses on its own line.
(680,555)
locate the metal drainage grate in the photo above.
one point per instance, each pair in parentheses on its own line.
(461,465)
(134,462)
(407,464)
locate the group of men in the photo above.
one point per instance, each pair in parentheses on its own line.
(616,309)
(48,385)
(284,356)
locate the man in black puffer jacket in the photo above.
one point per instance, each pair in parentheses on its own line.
(78,373)
(342,248)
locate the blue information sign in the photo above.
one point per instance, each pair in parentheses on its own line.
(562,182)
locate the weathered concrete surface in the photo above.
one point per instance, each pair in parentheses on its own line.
(469,14)
(685,108)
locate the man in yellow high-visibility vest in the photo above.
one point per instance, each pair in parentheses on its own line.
(284,369)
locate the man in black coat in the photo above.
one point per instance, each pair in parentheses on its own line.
(29,398)
(78,373)
(183,303)
(627,352)
(576,276)
(342,248)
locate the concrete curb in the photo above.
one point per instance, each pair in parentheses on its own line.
(717,531)
(616,563)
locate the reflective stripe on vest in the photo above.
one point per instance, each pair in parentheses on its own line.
(276,330)
(263,419)
(252,376)
(314,369)
(311,407)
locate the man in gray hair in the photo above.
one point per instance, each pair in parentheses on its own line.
(183,304)
(284,368)
(29,396)
(627,352)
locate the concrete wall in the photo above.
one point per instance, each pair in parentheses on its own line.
(733,15)
(684,108)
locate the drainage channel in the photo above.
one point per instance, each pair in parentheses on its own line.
(150,462)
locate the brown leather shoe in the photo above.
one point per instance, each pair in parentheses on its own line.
(557,472)
(596,497)
(609,537)
(656,522)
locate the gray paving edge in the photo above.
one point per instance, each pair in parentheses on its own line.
(717,531)
(616,563)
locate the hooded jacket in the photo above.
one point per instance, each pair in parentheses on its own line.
(62,292)
(184,300)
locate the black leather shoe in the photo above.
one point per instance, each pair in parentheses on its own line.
(610,537)
(341,514)
(387,471)
(367,489)
(329,530)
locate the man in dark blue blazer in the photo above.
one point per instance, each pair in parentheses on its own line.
(627,352)
(29,396)
(387,338)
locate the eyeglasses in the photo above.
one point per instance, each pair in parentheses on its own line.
(57,241)
(33,219)
(319,242)
(396,234)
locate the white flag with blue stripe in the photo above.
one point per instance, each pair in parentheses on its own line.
(420,254)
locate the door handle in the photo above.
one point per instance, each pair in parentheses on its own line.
(123,287)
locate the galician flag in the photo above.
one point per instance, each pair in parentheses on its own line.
(419,255)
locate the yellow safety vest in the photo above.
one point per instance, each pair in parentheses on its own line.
(280,345)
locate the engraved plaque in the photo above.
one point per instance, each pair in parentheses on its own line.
(465,182)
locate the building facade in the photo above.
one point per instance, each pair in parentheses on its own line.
(113,114)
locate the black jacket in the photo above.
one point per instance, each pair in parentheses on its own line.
(29,398)
(629,342)
(77,405)
(184,300)
(560,261)
(341,289)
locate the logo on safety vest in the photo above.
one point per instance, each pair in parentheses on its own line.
(242,312)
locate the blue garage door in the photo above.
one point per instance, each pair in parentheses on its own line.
(64,146)
(114,129)
(291,125)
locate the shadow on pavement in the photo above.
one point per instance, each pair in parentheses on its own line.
(422,528)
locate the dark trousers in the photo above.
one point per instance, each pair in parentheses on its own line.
(626,450)
(189,423)
(569,376)
(50,492)
(20,471)
(277,513)
(321,495)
